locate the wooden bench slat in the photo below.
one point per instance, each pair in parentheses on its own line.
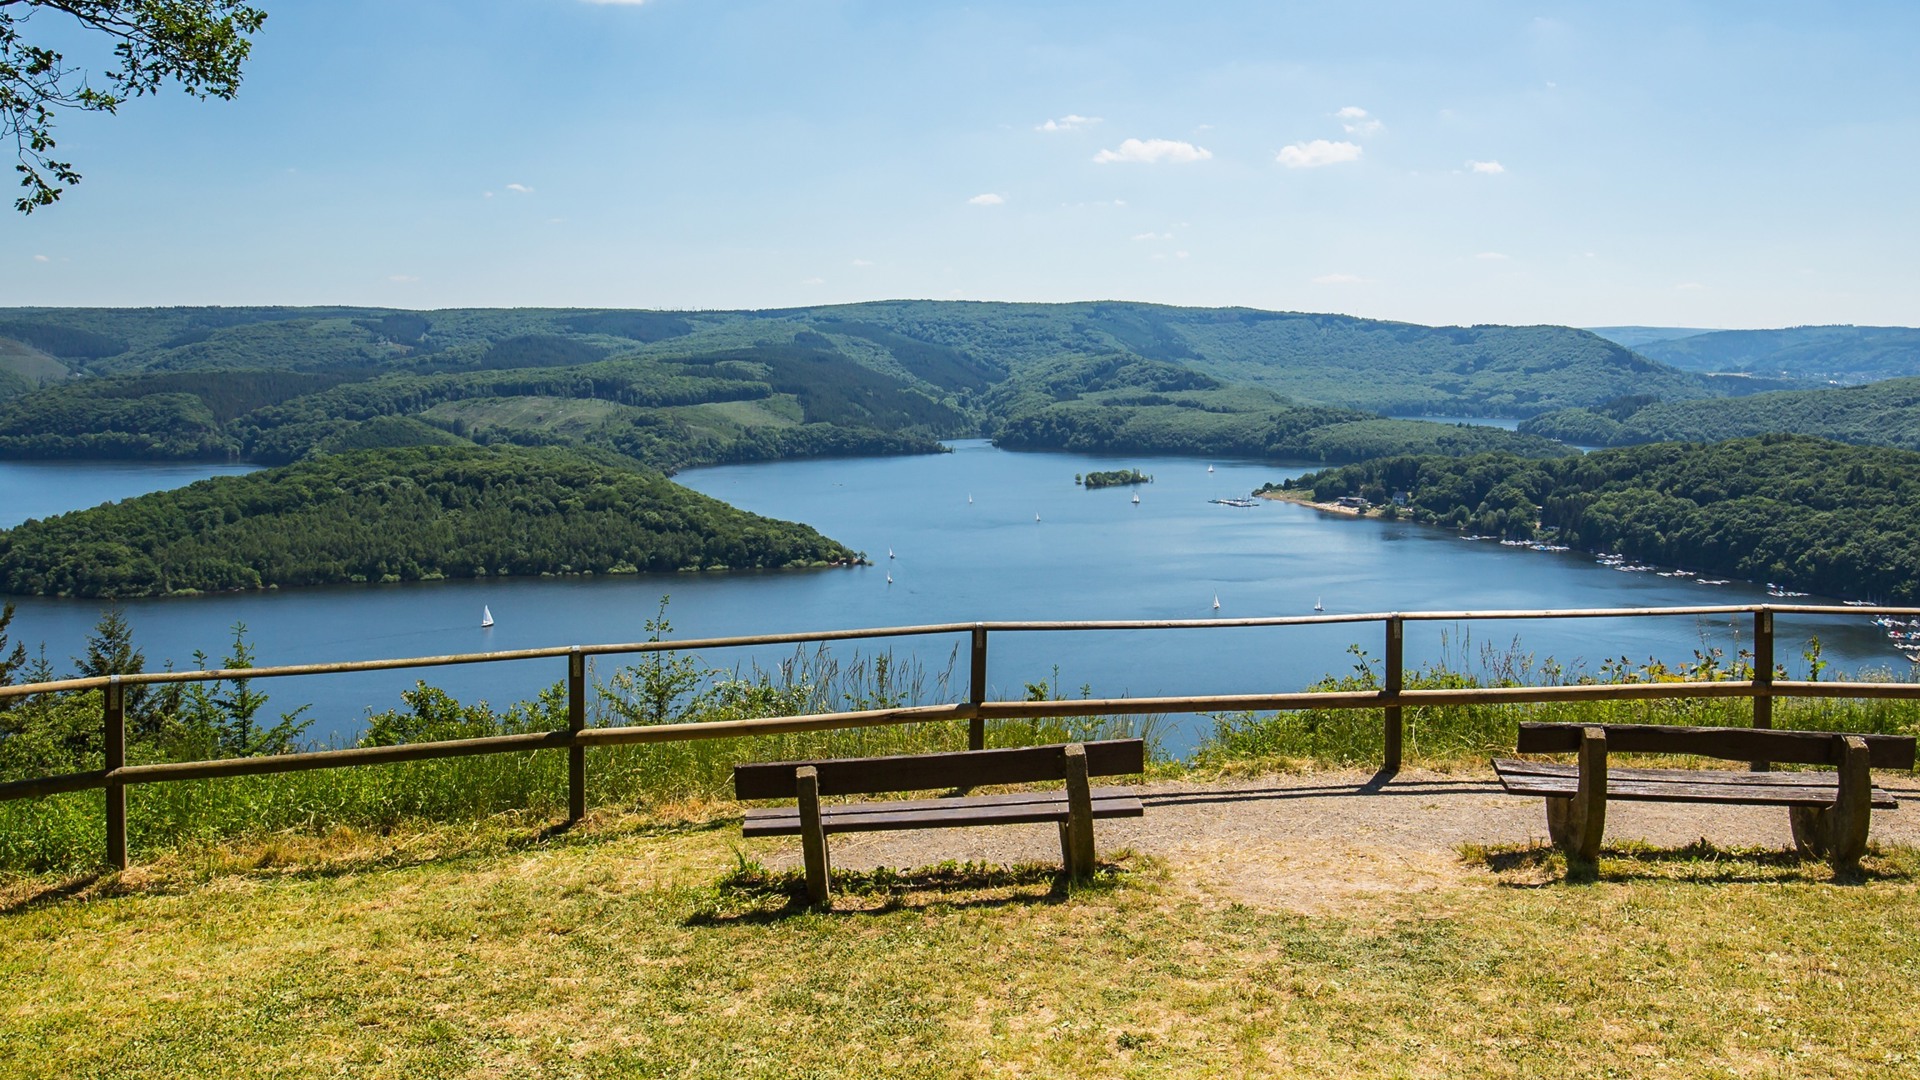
(927,772)
(1677,785)
(1729,744)
(1701,776)
(938,814)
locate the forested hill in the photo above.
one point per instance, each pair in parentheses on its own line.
(945,350)
(1846,354)
(398,515)
(1877,414)
(1820,516)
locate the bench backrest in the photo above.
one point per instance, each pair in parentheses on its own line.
(924,772)
(1729,744)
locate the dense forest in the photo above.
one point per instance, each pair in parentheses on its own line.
(1876,414)
(398,515)
(672,390)
(1815,354)
(1818,515)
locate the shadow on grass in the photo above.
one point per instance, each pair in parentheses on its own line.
(346,853)
(751,894)
(1532,866)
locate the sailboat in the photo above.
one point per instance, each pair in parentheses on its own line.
(1136,498)
(969,498)
(889,577)
(889,553)
(1036,516)
(1209,468)
(1216,601)
(1316,604)
(486,616)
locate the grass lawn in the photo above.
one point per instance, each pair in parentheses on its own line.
(653,946)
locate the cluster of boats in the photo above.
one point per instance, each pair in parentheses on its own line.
(1241,501)
(1904,633)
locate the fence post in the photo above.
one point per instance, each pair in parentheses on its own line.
(116,754)
(1396,655)
(576,720)
(977,689)
(1762,674)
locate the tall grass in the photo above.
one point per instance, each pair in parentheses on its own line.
(1456,734)
(66,832)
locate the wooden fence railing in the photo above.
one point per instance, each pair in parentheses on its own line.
(1392,698)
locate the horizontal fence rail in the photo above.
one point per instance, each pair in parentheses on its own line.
(1392,698)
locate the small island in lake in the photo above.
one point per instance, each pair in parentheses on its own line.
(1114,478)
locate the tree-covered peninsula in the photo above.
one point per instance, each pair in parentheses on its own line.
(1822,516)
(399,515)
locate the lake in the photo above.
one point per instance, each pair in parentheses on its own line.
(977,534)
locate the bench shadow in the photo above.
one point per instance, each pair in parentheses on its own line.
(1382,783)
(753,895)
(1700,862)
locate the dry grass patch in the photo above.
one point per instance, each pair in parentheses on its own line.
(639,946)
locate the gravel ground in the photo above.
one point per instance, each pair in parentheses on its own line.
(1313,841)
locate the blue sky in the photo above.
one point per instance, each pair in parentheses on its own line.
(1705,164)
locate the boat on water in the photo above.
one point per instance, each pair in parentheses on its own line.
(889,553)
(1209,468)
(1136,498)
(1216,601)
(1317,605)
(486,616)
(1036,516)
(889,577)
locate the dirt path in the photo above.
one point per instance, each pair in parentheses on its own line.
(1312,841)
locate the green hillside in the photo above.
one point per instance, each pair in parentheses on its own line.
(892,366)
(1845,354)
(398,515)
(1877,414)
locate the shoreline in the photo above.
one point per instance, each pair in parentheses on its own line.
(1304,499)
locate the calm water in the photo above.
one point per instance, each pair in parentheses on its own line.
(38,489)
(1090,555)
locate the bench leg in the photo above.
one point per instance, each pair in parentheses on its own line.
(1838,833)
(1079,824)
(1810,829)
(1575,825)
(1853,811)
(813,834)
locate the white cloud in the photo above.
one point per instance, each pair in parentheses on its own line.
(1688,286)
(1154,151)
(1491,168)
(402,279)
(1339,279)
(1357,121)
(1153,236)
(986,199)
(41,258)
(486,194)
(1491,256)
(814,281)
(520,189)
(1181,254)
(862,262)
(1069,122)
(1319,152)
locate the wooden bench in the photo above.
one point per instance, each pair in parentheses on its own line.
(1074,808)
(1829,812)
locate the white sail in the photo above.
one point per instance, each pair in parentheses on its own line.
(1316,604)
(486,616)
(1216,601)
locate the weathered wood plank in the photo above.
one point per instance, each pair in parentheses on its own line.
(934,814)
(1079,815)
(1682,785)
(1729,744)
(926,772)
